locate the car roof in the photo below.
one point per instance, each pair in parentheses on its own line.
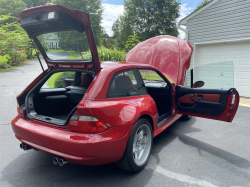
(119,64)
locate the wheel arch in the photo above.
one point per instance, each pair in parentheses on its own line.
(150,119)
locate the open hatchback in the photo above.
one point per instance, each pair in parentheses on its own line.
(89,112)
(55,27)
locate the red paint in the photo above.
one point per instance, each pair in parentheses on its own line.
(167,54)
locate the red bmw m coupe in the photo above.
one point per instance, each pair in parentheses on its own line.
(88,112)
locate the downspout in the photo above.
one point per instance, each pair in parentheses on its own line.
(184,30)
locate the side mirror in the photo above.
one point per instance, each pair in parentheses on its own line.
(198,84)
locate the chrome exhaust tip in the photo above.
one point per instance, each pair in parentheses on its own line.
(63,162)
(55,160)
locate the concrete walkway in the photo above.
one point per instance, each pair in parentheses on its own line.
(245,101)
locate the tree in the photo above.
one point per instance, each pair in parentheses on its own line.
(95,11)
(132,41)
(122,30)
(152,17)
(202,3)
(32,3)
(11,6)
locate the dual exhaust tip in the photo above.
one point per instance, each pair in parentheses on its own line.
(60,161)
(25,147)
(56,160)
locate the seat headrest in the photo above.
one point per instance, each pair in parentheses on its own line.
(86,80)
(123,83)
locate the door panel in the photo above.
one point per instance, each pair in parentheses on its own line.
(208,103)
(207,97)
(186,99)
(204,97)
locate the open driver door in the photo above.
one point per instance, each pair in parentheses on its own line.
(218,104)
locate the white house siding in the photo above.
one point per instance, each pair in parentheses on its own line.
(226,20)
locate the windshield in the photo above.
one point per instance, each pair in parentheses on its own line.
(65,45)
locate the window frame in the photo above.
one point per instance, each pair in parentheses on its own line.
(158,72)
(50,73)
(137,77)
(171,85)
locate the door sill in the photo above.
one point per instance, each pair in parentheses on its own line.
(167,117)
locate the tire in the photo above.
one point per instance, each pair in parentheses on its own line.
(185,117)
(138,147)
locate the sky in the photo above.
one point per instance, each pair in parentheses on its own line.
(113,8)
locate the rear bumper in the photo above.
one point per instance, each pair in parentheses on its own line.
(79,148)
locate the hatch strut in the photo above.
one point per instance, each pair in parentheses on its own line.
(39,61)
(37,54)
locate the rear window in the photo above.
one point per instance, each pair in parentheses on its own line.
(126,83)
(68,78)
(65,45)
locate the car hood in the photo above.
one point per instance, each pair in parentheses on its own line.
(31,20)
(168,54)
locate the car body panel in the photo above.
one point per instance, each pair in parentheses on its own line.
(81,148)
(169,54)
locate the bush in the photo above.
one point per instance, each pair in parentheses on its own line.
(111,54)
(59,80)
(45,47)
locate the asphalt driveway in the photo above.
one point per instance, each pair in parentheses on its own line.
(57,55)
(199,152)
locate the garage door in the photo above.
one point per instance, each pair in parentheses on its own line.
(224,65)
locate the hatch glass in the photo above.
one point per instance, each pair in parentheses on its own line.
(65,45)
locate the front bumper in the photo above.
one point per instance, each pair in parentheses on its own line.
(79,148)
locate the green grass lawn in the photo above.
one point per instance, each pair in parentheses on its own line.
(153,77)
(72,54)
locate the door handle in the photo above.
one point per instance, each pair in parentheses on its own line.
(192,97)
(200,97)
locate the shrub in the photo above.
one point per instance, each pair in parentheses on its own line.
(59,80)
(45,47)
(111,54)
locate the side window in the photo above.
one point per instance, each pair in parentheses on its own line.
(126,83)
(150,76)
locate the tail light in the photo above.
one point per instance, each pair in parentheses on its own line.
(87,124)
(20,112)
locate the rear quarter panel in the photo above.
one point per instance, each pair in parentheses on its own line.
(120,111)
